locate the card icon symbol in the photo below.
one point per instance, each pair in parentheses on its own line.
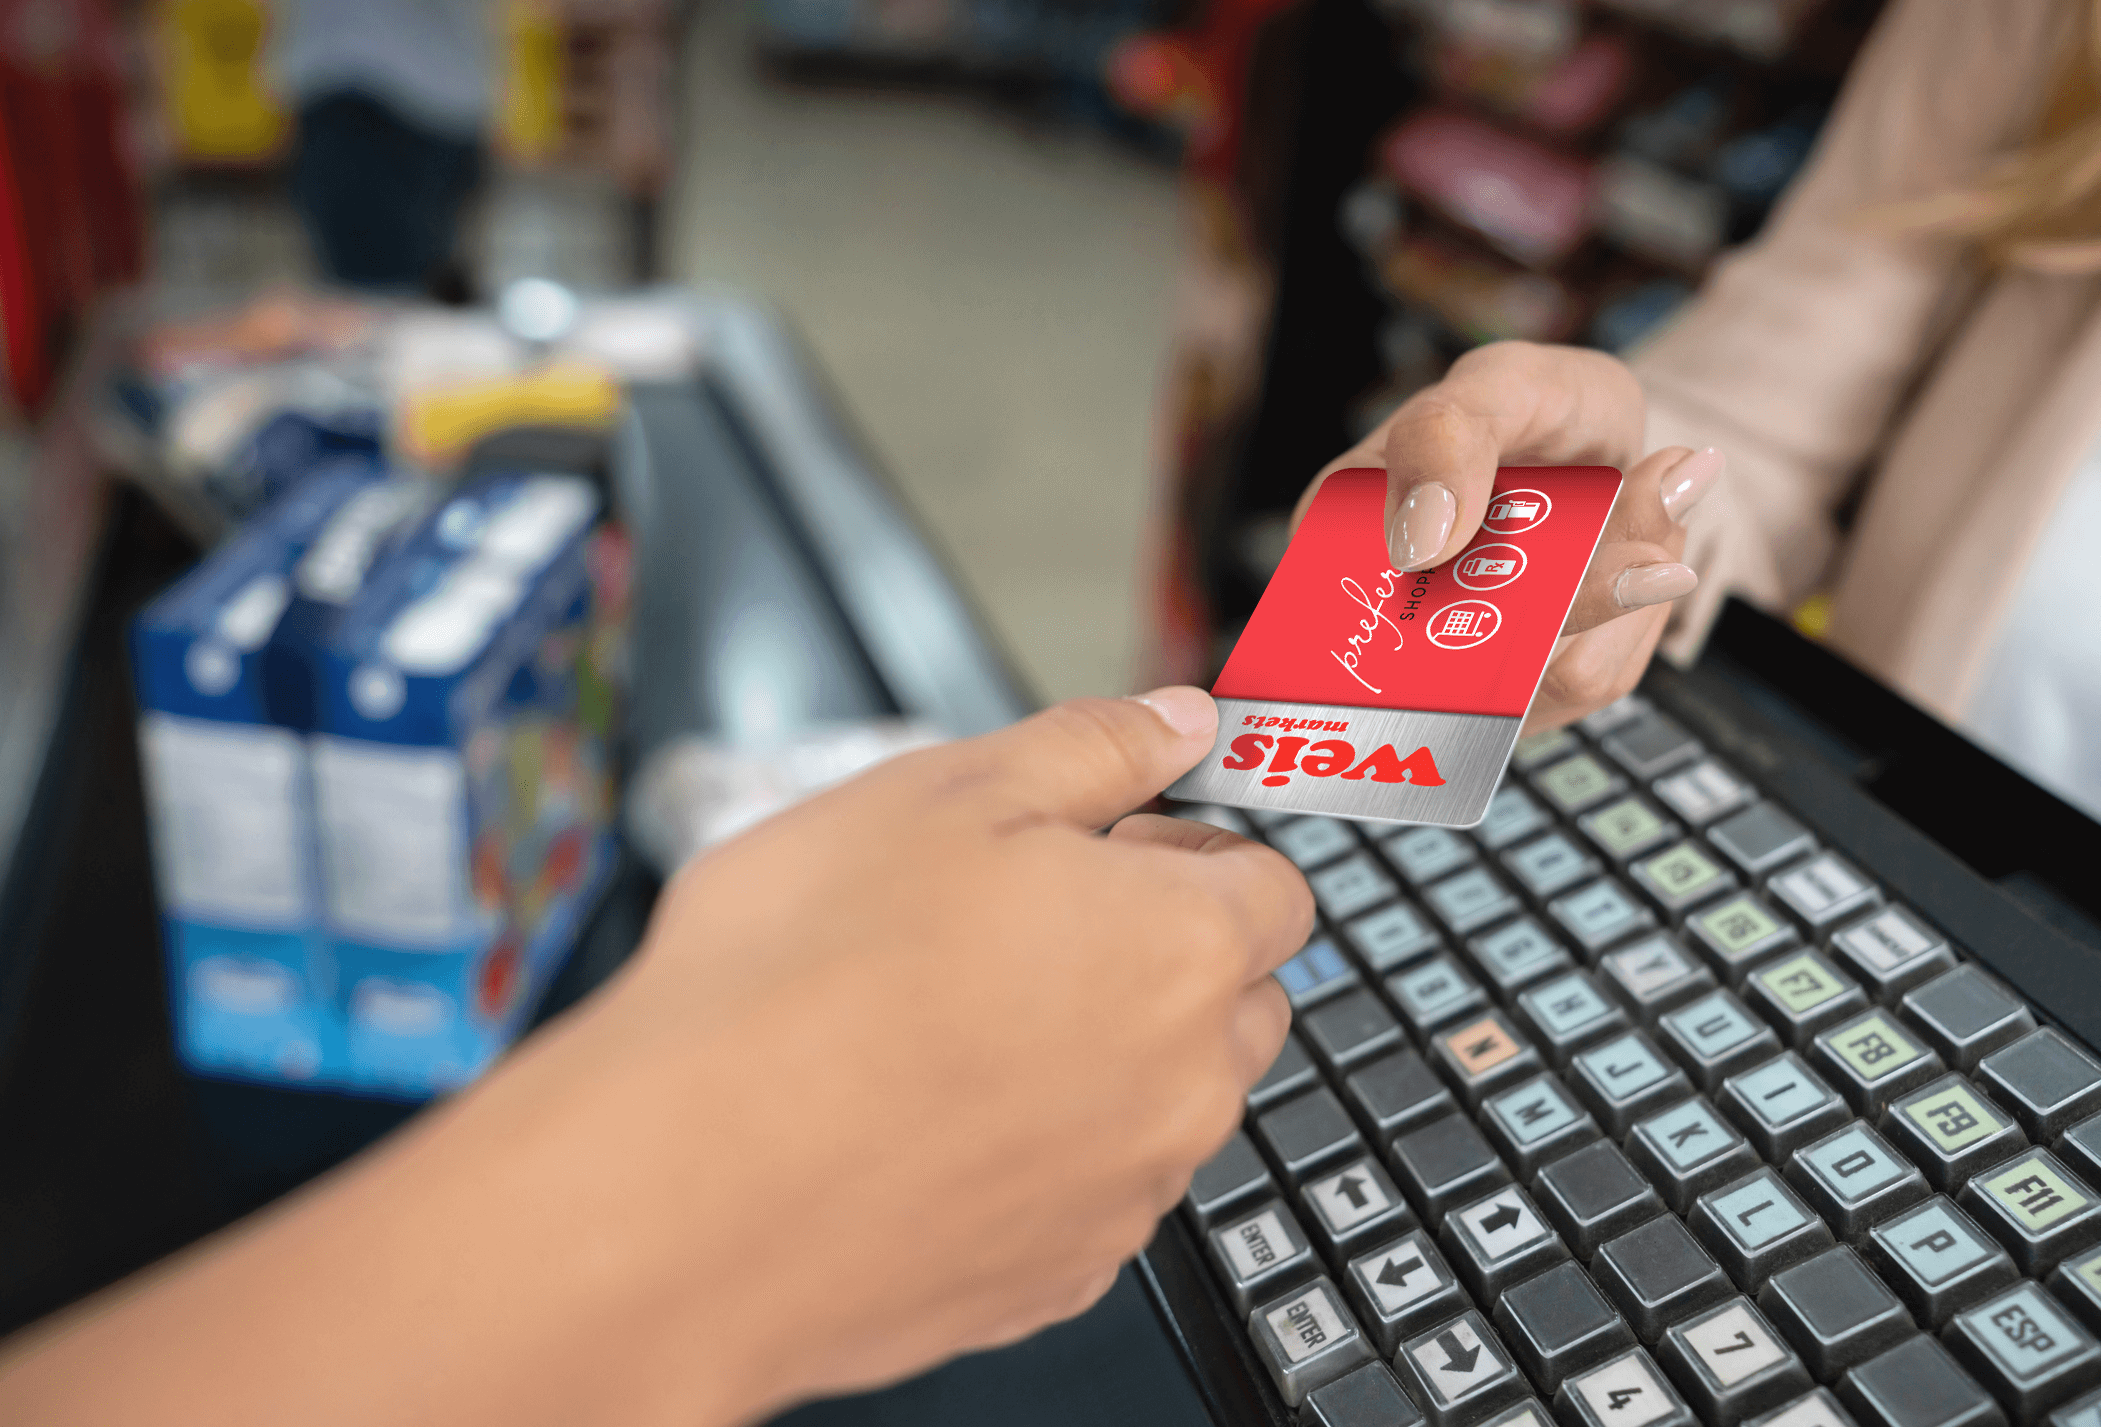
(1513,512)
(1489,567)
(1464,624)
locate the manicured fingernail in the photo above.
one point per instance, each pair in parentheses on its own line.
(1421,525)
(1691,478)
(1641,585)
(1184,709)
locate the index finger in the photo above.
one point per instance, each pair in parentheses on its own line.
(1510,403)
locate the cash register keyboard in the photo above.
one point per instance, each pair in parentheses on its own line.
(1637,1105)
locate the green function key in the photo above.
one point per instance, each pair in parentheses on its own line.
(1715,1038)
(1568,1013)
(1938,1260)
(1737,933)
(1681,878)
(1781,1105)
(1966,1014)
(1575,784)
(2045,1080)
(1950,1131)
(1892,951)
(1756,1227)
(1688,1150)
(1873,1058)
(2026,1350)
(1654,975)
(1855,1180)
(1625,1079)
(1801,994)
(2037,1208)
(1627,827)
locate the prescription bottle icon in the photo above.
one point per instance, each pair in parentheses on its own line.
(1484,565)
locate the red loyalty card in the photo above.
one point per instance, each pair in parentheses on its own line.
(1361,692)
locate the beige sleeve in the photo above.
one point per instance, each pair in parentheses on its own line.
(1796,354)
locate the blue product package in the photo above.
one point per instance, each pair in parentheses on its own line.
(229,794)
(462,801)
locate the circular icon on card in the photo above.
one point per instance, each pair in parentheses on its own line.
(1514,512)
(1465,624)
(1488,567)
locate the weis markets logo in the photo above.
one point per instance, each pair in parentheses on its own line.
(1325,758)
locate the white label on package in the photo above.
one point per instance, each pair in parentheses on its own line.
(227,832)
(392,846)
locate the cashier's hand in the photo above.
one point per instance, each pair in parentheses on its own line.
(1517,403)
(982,1049)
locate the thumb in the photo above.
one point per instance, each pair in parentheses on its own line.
(1087,760)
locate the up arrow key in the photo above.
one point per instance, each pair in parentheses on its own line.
(1352,1188)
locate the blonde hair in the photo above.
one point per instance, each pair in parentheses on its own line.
(2040,208)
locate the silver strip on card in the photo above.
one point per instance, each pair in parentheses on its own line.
(1470,750)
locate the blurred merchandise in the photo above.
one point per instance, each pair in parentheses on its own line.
(1484,299)
(1525,199)
(220,106)
(585,84)
(1625,321)
(1650,211)
(376,731)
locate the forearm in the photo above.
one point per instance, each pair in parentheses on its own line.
(493,1265)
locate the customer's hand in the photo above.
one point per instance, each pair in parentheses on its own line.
(905,1071)
(1516,403)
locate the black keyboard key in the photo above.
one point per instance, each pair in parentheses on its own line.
(1536,1122)
(1577,783)
(1681,878)
(1628,1391)
(1568,1013)
(1310,842)
(1392,936)
(1550,864)
(1600,915)
(1318,972)
(1702,793)
(1367,1397)
(1557,1323)
(1260,1255)
(1512,814)
(2077,1283)
(1658,1275)
(1307,1339)
(1649,745)
(1873,1058)
(2080,1148)
(1855,1180)
(1938,1260)
(1483,1056)
(1397,1093)
(1594,1195)
(2027,1351)
(1950,1131)
(1458,1373)
(1760,840)
(1425,854)
(1652,976)
(1688,1150)
(1352,1208)
(1801,994)
(1816,1409)
(1756,1227)
(1304,1134)
(1891,951)
(1781,1106)
(1737,933)
(1625,828)
(1354,884)
(1292,1071)
(1351,1030)
(1499,1240)
(2046,1081)
(1917,1384)
(1822,893)
(1227,1182)
(1444,1164)
(2036,1207)
(1624,1080)
(1835,1312)
(1515,955)
(1470,900)
(1715,1037)
(1435,993)
(1730,1364)
(1401,1288)
(1966,1014)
